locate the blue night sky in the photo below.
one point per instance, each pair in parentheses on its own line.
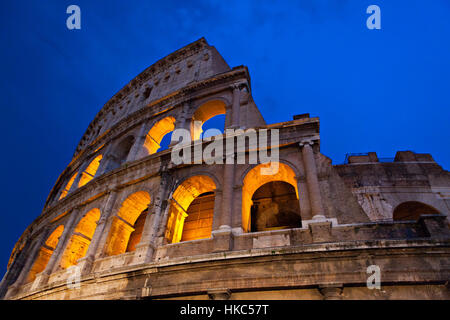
(374,90)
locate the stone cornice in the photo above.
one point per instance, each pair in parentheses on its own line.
(156,68)
(341,251)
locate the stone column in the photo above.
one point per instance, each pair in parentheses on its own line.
(53,263)
(100,234)
(74,185)
(236,221)
(182,122)
(303,197)
(217,209)
(164,217)
(105,225)
(33,252)
(105,159)
(235,111)
(223,236)
(138,143)
(145,247)
(312,180)
(227,195)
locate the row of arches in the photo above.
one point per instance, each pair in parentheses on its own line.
(269,202)
(208,119)
(87,175)
(124,234)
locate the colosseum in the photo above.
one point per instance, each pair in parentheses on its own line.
(124,221)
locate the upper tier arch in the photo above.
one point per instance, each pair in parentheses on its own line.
(195,62)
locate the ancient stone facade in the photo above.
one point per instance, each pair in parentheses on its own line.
(138,226)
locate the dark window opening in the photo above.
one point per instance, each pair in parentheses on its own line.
(275,206)
(412,210)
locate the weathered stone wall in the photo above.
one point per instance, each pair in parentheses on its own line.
(381,186)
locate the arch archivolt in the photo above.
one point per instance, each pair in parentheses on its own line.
(154,136)
(294,165)
(224,98)
(184,174)
(206,109)
(253,179)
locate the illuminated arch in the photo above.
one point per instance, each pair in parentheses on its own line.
(45,253)
(254,179)
(203,113)
(68,186)
(411,210)
(157,133)
(182,198)
(124,223)
(81,239)
(89,173)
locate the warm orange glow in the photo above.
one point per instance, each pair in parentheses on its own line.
(254,179)
(181,200)
(157,133)
(68,186)
(135,236)
(81,239)
(198,223)
(90,171)
(45,253)
(124,223)
(205,112)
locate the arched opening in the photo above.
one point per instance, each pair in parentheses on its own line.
(68,186)
(120,154)
(411,210)
(254,180)
(206,112)
(81,239)
(90,171)
(275,206)
(158,137)
(45,253)
(191,210)
(128,225)
(135,236)
(213,127)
